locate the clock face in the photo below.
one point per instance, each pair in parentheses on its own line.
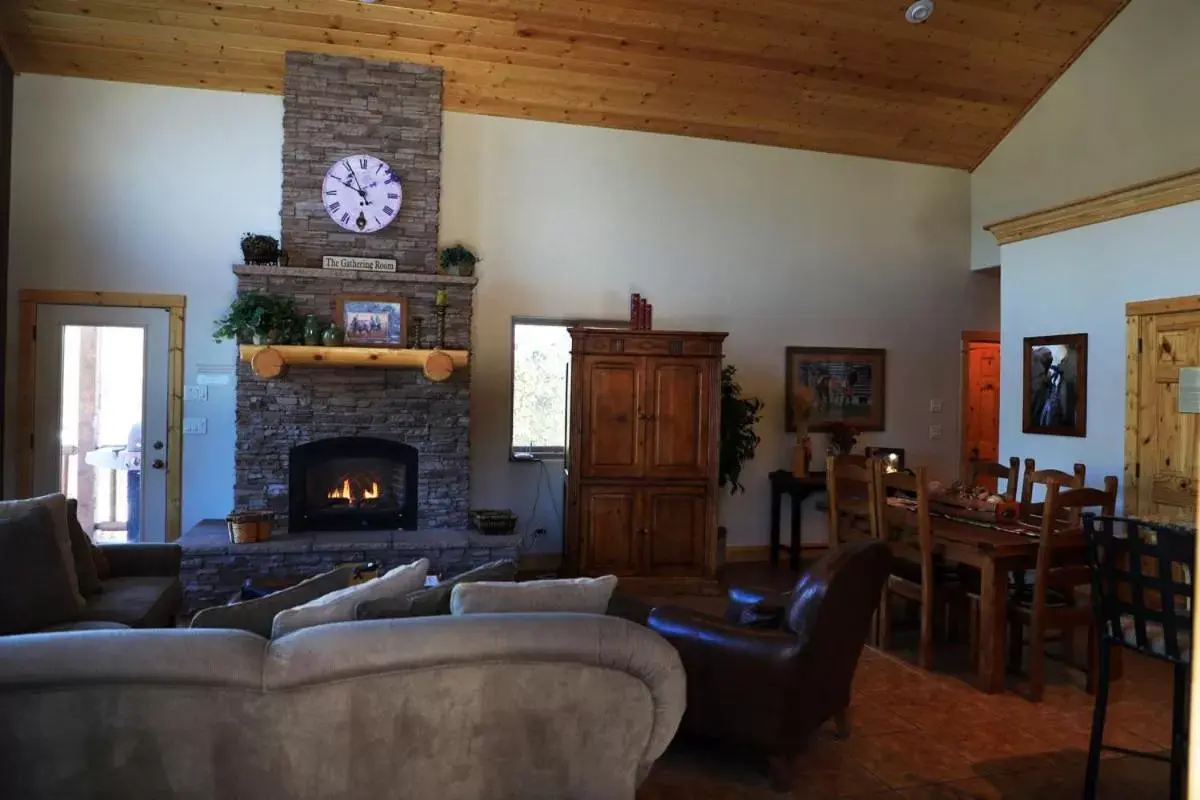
(361,194)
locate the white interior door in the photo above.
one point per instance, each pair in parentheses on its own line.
(100,425)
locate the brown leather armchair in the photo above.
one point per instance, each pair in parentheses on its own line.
(777,667)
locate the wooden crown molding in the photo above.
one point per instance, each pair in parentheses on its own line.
(1162,193)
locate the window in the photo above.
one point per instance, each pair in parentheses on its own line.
(540,357)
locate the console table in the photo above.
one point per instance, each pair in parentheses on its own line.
(784,482)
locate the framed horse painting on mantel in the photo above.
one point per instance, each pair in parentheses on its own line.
(841,384)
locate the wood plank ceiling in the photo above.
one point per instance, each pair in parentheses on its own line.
(842,76)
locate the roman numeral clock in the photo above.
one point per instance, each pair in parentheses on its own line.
(361,194)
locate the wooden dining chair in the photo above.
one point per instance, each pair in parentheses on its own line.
(909,532)
(1035,476)
(1061,570)
(849,483)
(986,473)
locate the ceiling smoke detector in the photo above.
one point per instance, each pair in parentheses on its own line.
(919,11)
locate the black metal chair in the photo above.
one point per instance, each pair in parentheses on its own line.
(1142,595)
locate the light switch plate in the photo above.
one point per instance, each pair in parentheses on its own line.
(935,431)
(935,405)
(195,425)
(195,392)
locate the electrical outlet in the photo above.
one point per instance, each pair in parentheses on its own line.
(195,425)
(935,431)
(195,393)
(935,405)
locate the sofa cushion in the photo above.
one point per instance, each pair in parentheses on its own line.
(434,601)
(256,616)
(56,504)
(35,589)
(139,602)
(81,553)
(574,595)
(339,606)
(85,625)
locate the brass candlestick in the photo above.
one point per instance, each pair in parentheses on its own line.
(418,334)
(441,329)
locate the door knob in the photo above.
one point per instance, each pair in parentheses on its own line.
(158,445)
(158,463)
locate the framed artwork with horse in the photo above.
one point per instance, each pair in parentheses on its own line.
(836,384)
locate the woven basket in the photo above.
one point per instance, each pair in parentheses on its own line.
(247,527)
(494,522)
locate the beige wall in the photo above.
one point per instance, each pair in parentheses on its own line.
(1127,111)
(777,247)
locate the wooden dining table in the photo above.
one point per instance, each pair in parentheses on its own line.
(996,551)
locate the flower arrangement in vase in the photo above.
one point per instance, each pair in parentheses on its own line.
(842,438)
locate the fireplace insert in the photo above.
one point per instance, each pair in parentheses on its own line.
(349,483)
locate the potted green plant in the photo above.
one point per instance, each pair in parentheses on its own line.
(258,248)
(739,415)
(459,259)
(260,318)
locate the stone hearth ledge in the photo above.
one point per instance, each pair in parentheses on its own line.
(214,569)
(212,536)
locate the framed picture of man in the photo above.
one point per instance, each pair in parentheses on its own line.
(1055,385)
(838,384)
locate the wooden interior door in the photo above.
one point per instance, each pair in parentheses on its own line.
(981,403)
(610,535)
(1161,464)
(611,390)
(675,527)
(676,419)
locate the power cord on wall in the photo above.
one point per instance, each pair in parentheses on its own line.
(527,539)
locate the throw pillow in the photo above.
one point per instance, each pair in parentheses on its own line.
(576,595)
(435,601)
(56,504)
(339,606)
(257,616)
(35,589)
(81,553)
(103,568)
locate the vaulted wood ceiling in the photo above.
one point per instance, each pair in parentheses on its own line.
(843,76)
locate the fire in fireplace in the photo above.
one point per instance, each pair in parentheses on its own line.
(351,483)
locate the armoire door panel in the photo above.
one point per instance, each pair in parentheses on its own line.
(610,528)
(675,525)
(677,422)
(610,421)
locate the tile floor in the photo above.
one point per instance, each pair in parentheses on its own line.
(917,734)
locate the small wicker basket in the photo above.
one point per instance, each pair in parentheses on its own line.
(246,527)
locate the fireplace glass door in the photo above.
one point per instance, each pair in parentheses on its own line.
(352,483)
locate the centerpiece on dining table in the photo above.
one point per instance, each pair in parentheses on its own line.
(966,501)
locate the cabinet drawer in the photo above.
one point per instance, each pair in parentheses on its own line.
(658,345)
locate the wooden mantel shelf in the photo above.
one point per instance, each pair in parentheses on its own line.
(272,360)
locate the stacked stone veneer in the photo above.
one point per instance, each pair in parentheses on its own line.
(309,403)
(334,107)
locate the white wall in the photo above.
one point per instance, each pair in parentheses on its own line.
(1079,281)
(777,247)
(121,187)
(1124,113)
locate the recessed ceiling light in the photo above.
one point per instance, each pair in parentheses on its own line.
(919,11)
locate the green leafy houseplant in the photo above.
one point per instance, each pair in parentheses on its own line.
(263,318)
(258,248)
(458,258)
(739,415)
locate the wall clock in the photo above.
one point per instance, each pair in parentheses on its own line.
(361,194)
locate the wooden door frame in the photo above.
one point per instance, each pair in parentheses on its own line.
(968,338)
(175,305)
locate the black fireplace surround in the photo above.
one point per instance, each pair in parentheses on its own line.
(350,483)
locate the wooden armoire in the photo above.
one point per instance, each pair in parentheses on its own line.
(642,454)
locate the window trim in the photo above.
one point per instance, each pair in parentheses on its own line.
(541,453)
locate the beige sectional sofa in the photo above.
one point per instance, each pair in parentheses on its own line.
(555,706)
